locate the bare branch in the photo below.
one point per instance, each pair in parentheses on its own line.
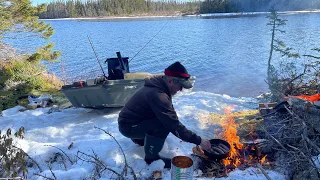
(35,162)
(50,168)
(124,172)
(45,177)
(63,153)
(96,161)
(263,171)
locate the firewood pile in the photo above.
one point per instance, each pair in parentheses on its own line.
(293,135)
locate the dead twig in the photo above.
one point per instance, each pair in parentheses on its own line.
(276,140)
(62,158)
(309,157)
(124,172)
(45,177)
(295,148)
(35,162)
(97,168)
(304,137)
(295,132)
(63,153)
(263,171)
(305,133)
(50,168)
(96,161)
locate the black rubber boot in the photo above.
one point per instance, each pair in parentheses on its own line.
(140,142)
(152,147)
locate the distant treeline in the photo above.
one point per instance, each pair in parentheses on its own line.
(99,8)
(223,6)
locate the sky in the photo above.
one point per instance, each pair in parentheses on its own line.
(47,127)
(35,2)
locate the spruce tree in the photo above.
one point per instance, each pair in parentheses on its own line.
(19,17)
(23,74)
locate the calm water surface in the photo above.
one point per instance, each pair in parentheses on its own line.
(227,55)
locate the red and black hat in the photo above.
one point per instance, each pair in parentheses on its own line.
(180,72)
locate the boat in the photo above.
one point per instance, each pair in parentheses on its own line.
(111,91)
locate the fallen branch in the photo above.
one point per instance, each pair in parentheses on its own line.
(276,141)
(263,171)
(311,143)
(310,158)
(304,135)
(295,148)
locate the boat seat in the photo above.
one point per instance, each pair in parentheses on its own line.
(91,82)
(139,75)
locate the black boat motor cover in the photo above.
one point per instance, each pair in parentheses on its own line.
(114,68)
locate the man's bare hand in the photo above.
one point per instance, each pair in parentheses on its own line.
(205,144)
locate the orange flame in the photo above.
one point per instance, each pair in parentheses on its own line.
(263,159)
(239,155)
(229,134)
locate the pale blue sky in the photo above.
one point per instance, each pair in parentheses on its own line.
(35,2)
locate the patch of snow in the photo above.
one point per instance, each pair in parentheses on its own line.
(46,132)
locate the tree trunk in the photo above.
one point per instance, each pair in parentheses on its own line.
(271,50)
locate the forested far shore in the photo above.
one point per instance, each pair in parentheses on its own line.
(225,6)
(102,8)
(105,8)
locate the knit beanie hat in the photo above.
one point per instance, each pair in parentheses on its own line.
(180,72)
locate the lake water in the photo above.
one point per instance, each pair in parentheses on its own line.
(227,55)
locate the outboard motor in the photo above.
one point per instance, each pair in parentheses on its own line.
(117,67)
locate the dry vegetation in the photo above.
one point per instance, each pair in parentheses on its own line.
(293,135)
(20,78)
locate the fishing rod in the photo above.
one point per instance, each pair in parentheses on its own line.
(148,42)
(96,56)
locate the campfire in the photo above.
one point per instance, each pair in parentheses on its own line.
(286,139)
(241,155)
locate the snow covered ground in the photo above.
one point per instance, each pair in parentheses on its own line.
(44,130)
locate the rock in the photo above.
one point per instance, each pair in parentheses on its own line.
(32,106)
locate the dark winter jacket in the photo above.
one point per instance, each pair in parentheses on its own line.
(154,101)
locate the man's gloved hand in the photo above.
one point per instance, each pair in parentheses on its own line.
(205,144)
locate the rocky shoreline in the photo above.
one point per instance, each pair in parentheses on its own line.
(8,52)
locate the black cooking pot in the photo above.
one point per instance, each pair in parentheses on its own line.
(216,142)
